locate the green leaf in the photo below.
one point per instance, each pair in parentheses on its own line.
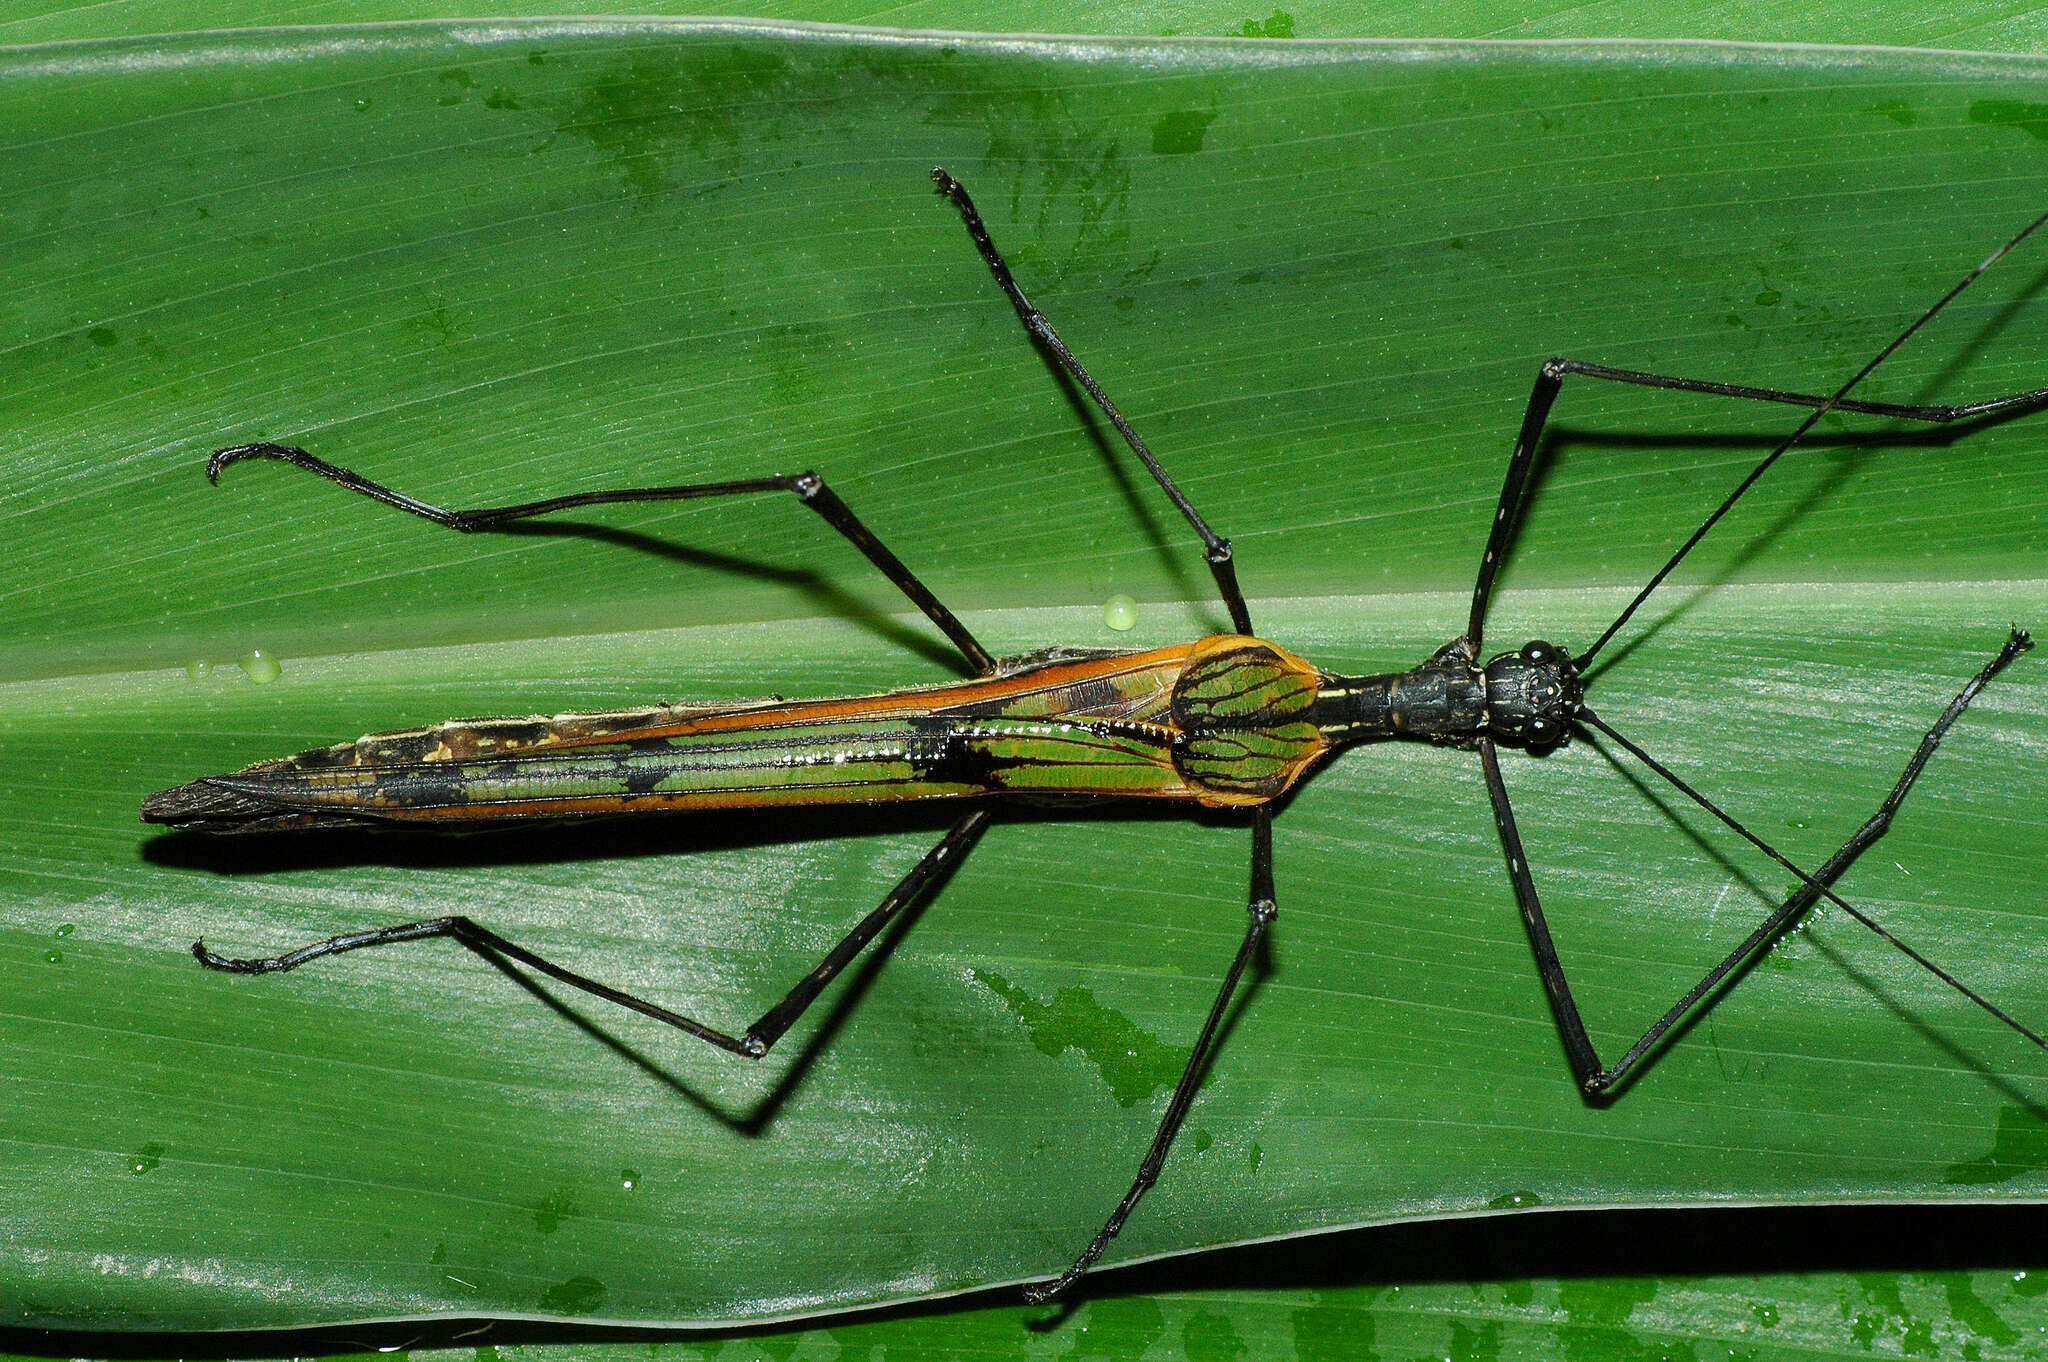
(487,263)
(1977,26)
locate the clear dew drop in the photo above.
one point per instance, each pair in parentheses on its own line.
(199,669)
(1120,612)
(628,1178)
(260,666)
(65,930)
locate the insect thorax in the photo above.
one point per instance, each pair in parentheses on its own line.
(1525,698)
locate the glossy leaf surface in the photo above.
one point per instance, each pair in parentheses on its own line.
(498,262)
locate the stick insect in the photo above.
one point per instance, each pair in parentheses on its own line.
(1225,722)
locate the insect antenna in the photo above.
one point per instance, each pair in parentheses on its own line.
(1808,424)
(1815,886)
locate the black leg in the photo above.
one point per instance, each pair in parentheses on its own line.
(1937,415)
(1595,1078)
(1507,513)
(809,488)
(1262,909)
(1215,548)
(754,1042)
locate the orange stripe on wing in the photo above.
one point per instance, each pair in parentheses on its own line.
(915,700)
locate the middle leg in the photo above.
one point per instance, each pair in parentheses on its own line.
(1215,548)
(1262,909)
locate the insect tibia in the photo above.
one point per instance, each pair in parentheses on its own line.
(1533,695)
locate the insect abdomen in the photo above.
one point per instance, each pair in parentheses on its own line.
(1223,721)
(856,761)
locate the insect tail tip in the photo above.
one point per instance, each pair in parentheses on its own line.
(215,804)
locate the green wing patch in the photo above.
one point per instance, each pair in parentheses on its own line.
(1243,706)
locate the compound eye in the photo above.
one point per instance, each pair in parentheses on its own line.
(1537,652)
(1539,728)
